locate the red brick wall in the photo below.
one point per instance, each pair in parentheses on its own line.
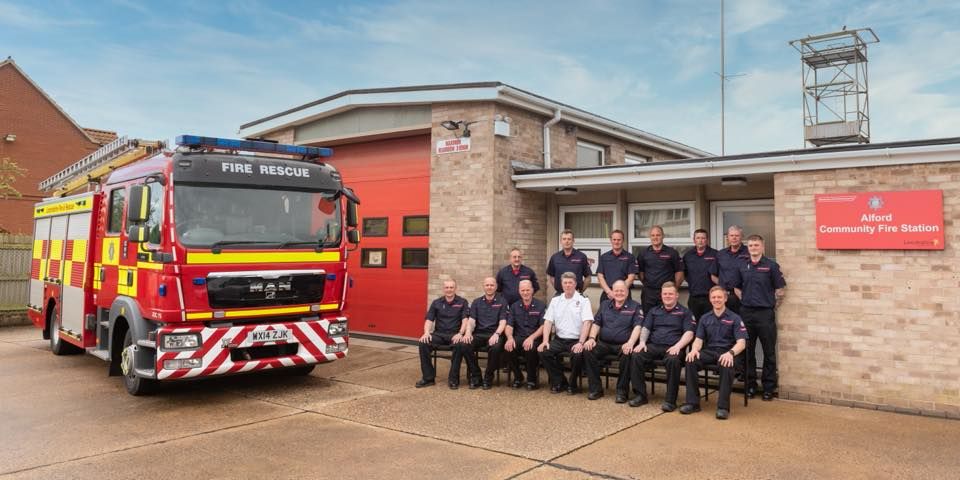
(46,142)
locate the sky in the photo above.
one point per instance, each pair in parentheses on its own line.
(154,70)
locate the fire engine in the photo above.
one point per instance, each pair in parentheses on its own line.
(219,257)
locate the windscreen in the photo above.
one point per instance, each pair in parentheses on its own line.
(228,217)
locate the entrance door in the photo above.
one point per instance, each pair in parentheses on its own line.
(754,216)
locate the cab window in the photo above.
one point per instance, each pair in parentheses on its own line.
(118,200)
(155,221)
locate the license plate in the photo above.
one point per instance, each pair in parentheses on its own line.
(271,336)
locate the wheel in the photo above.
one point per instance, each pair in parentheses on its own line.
(57,345)
(135,385)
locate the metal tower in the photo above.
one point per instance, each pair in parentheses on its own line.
(836,106)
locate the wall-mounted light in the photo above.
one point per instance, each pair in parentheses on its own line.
(565,190)
(733,181)
(453,125)
(10,137)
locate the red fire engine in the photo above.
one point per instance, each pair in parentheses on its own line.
(201,261)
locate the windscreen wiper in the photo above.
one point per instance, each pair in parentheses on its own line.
(216,247)
(318,244)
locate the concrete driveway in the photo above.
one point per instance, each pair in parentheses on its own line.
(62,417)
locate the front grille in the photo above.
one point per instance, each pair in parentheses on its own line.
(257,291)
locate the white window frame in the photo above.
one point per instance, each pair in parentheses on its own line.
(588,243)
(718,208)
(594,146)
(636,159)
(669,241)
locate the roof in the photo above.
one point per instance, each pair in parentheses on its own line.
(752,165)
(9,62)
(102,137)
(458,92)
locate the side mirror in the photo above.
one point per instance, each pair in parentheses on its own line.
(352,213)
(353,236)
(137,233)
(138,207)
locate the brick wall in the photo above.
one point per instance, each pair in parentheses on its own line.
(46,142)
(874,329)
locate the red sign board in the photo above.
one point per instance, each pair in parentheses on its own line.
(910,220)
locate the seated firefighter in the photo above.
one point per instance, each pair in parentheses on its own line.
(571,316)
(720,337)
(488,320)
(667,330)
(445,324)
(615,330)
(524,329)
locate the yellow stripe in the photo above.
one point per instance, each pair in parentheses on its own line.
(105,254)
(67,206)
(199,316)
(37,249)
(150,266)
(329,306)
(261,257)
(56,249)
(67,271)
(144,202)
(266,311)
(79,251)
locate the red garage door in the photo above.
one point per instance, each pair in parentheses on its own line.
(389,271)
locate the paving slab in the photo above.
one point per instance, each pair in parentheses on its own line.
(60,408)
(301,446)
(20,333)
(306,392)
(537,425)
(549,472)
(395,376)
(360,358)
(779,439)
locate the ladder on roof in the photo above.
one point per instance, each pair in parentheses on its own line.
(104,160)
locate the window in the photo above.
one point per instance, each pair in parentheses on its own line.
(754,216)
(677,219)
(416,226)
(373,257)
(634,159)
(155,222)
(415,258)
(118,199)
(589,154)
(375,227)
(591,225)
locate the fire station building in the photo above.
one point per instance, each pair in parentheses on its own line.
(453,176)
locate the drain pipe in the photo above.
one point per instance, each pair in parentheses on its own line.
(546,138)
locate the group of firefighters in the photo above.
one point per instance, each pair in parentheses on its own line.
(733,294)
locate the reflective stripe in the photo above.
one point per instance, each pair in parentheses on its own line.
(194,258)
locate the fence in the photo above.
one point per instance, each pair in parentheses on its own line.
(16,251)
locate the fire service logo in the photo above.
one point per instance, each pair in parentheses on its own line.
(875,202)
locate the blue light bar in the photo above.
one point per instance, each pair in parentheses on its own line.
(195,141)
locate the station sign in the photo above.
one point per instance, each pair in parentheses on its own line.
(905,220)
(453,145)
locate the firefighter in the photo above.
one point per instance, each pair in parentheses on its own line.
(510,276)
(571,315)
(721,336)
(728,265)
(445,324)
(524,329)
(657,264)
(568,259)
(616,264)
(700,271)
(488,320)
(615,331)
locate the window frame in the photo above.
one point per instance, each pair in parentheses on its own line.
(592,146)
(363,257)
(675,242)
(588,244)
(366,234)
(123,213)
(636,159)
(404,264)
(404,226)
(717,209)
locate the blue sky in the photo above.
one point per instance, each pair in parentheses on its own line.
(158,69)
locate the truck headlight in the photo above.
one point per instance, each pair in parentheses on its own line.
(181,341)
(179,363)
(337,328)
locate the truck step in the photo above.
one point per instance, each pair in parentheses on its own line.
(147,344)
(99,353)
(104,324)
(145,373)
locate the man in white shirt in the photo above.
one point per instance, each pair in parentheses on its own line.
(570,317)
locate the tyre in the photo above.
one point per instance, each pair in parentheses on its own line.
(57,345)
(135,385)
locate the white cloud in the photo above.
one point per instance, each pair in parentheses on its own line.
(745,15)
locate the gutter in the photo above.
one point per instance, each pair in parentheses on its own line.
(546,138)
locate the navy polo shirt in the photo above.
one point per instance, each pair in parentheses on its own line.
(659,267)
(758,281)
(508,282)
(617,267)
(667,326)
(721,333)
(577,263)
(728,264)
(526,319)
(448,315)
(616,324)
(488,313)
(697,268)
